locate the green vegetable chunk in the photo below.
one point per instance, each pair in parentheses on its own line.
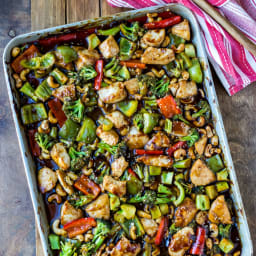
(134,185)
(28,90)
(192,138)
(93,41)
(226,245)
(69,130)
(215,163)
(54,242)
(167,177)
(155,212)
(114,202)
(222,186)
(222,175)
(181,196)
(44,141)
(195,71)
(43,91)
(211,191)
(74,109)
(190,50)
(128,211)
(108,32)
(128,107)
(59,76)
(182,164)
(155,170)
(87,133)
(33,113)
(202,202)
(131,32)
(127,48)
(67,53)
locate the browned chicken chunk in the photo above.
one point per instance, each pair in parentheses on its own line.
(186,89)
(160,56)
(132,86)
(118,119)
(118,167)
(154,37)
(109,48)
(113,186)
(200,174)
(136,139)
(180,129)
(181,242)
(159,140)
(60,156)
(109,137)
(86,58)
(125,248)
(65,91)
(47,179)
(200,145)
(182,29)
(150,226)
(161,161)
(69,213)
(219,212)
(185,213)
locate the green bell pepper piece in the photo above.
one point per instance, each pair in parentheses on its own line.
(195,71)
(54,242)
(168,126)
(106,123)
(128,211)
(222,186)
(108,32)
(68,54)
(54,132)
(127,48)
(28,90)
(43,91)
(119,217)
(182,164)
(87,133)
(124,73)
(146,175)
(181,196)
(164,208)
(93,41)
(176,40)
(179,176)
(69,130)
(114,202)
(190,50)
(186,59)
(59,76)
(164,190)
(222,175)
(155,212)
(128,107)
(211,191)
(202,202)
(226,245)
(215,163)
(167,177)
(134,185)
(150,121)
(155,170)
(33,113)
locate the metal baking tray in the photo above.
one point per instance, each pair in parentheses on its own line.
(30,168)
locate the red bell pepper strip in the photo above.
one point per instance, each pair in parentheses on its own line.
(163,23)
(31,52)
(80,226)
(148,152)
(133,64)
(168,106)
(87,186)
(133,173)
(35,149)
(180,144)
(56,108)
(198,247)
(161,230)
(99,70)
(166,14)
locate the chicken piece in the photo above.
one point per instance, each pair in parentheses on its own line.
(118,166)
(110,137)
(59,62)
(61,177)
(136,139)
(99,208)
(113,186)
(60,156)
(185,213)
(118,119)
(161,161)
(125,248)
(181,242)
(219,212)
(150,226)
(132,86)
(200,145)
(180,129)
(182,29)
(113,93)
(109,48)
(200,174)
(186,89)
(159,140)
(159,56)
(47,179)
(69,213)
(86,57)
(65,91)
(154,37)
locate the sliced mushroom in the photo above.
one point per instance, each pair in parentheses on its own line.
(61,177)
(200,145)
(109,137)
(47,179)
(113,186)
(161,161)
(154,37)
(136,139)
(182,29)
(69,213)
(200,174)
(109,47)
(65,91)
(150,226)
(60,156)
(118,167)
(99,208)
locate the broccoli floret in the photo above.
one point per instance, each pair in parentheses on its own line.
(81,200)
(67,249)
(181,118)
(138,121)
(161,87)
(191,138)
(117,150)
(44,141)
(74,109)
(149,81)
(224,231)
(131,32)
(204,109)
(112,70)
(78,158)
(83,75)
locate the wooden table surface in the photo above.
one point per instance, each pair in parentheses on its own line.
(17,229)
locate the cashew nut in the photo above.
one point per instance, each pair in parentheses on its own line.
(45,155)
(23,74)
(72,176)
(133,231)
(238,253)
(51,82)
(88,237)
(15,52)
(202,93)
(202,131)
(44,127)
(143,214)
(18,81)
(69,181)
(188,100)
(60,191)
(166,41)
(179,153)
(54,197)
(207,151)
(79,238)
(214,230)
(185,75)
(87,171)
(156,250)
(51,118)
(200,122)
(58,231)
(158,73)
(209,131)
(215,140)
(191,153)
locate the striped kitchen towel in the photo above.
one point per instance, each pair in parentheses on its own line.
(235,66)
